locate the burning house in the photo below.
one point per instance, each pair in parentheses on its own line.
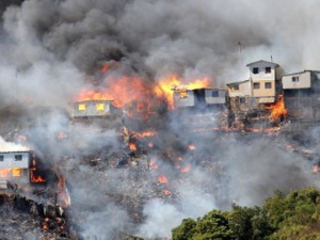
(302,96)
(14,164)
(94,108)
(199,109)
(203,98)
(253,97)
(261,87)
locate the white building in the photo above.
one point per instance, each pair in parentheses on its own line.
(15,164)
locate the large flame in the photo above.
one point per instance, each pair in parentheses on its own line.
(167,86)
(126,89)
(122,90)
(33,176)
(278,110)
(64,199)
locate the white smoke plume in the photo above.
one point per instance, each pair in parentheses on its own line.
(11,147)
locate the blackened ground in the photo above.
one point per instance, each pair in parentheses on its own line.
(19,221)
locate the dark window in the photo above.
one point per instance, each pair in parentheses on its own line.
(268,70)
(268,85)
(242,100)
(215,94)
(1,158)
(18,157)
(255,70)
(236,87)
(295,79)
(256,85)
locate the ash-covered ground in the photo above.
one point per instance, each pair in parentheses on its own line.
(124,182)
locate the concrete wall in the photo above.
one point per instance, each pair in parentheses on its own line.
(10,161)
(262,75)
(210,96)
(304,81)
(244,89)
(180,100)
(263,91)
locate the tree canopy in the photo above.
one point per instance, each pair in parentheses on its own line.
(292,216)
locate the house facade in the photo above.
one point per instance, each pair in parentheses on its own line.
(302,95)
(199,98)
(15,165)
(95,108)
(263,81)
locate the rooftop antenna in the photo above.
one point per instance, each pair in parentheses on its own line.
(271,59)
(240,52)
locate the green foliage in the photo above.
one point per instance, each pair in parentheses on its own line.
(292,216)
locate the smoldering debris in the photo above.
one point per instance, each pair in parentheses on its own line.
(141,185)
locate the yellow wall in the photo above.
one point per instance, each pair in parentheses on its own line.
(262,91)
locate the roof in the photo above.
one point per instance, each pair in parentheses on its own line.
(19,151)
(93,101)
(263,61)
(204,88)
(238,82)
(304,71)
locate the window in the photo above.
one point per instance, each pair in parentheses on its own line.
(1,158)
(236,87)
(295,79)
(215,94)
(183,94)
(18,157)
(268,85)
(82,107)
(242,100)
(255,70)
(268,70)
(256,85)
(100,106)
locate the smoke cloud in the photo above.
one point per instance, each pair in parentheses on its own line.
(51,49)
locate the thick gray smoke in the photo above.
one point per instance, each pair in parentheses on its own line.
(49,48)
(188,38)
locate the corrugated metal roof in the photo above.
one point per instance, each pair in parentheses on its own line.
(238,82)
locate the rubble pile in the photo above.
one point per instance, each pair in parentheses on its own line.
(23,219)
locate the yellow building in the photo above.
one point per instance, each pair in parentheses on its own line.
(263,80)
(260,88)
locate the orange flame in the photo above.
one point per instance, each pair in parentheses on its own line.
(278,110)
(132,146)
(166,192)
(10,172)
(186,169)
(162,179)
(121,91)
(166,86)
(192,147)
(315,168)
(144,134)
(64,199)
(35,178)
